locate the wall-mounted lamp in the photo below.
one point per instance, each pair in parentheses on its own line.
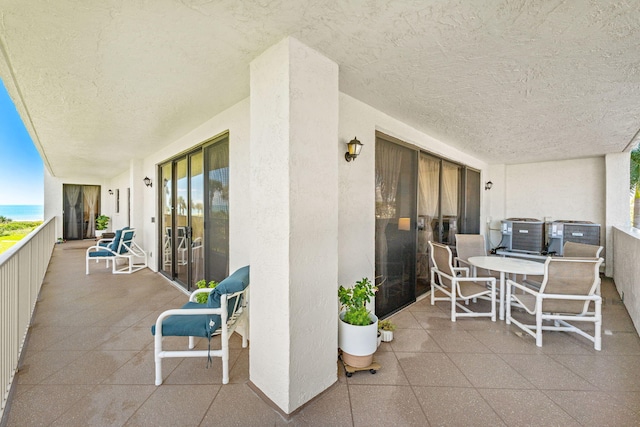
(404,224)
(354,146)
(147,181)
(110,192)
(488,185)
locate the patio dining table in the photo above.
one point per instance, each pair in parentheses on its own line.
(505,266)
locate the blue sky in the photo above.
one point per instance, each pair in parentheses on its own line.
(21,169)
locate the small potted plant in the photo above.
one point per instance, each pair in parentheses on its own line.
(102,222)
(386,328)
(357,326)
(201,298)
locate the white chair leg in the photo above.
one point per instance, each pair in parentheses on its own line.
(597,343)
(539,328)
(493,304)
(157,358)
(453,308)
(192,343)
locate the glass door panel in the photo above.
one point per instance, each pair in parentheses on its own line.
(217,206)
(181,222)
(166,218)
(396,175)
(450,204)
(428,216)
(73,213)
(196,217)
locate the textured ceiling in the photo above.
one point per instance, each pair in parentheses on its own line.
(507,81)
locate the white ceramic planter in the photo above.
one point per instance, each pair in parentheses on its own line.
(386,336)
(358,341)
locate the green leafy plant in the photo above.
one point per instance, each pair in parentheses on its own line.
(354,302)
(102,221)
(201,298)
(386,325)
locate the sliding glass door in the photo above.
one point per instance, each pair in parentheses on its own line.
(396,173)
(81,206)
(419,198)
(194,224)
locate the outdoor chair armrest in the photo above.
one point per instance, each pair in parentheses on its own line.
(99,249)
(526,289)
(476,279)
(457,261)
(463,270)
(184,312)
(192,297)
(593,297)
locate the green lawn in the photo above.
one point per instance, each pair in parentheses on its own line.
(12,232)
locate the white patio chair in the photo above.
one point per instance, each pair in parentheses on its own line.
(470,245)
(568,287)
(123,252)
(457,286)
(206,320)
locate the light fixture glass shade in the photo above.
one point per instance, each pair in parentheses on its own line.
(353,149)
(354,146)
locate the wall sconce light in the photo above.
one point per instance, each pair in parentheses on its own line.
(110,192)
(354,146)
(147,181)
(488,185)
(404,224)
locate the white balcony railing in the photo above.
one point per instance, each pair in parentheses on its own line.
(22,270)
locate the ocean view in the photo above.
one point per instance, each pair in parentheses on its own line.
(23,212)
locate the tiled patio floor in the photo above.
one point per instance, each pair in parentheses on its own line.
(89,361)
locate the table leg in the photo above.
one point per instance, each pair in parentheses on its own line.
(502,274)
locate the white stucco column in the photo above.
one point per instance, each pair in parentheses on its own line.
(294,197)
(617,201)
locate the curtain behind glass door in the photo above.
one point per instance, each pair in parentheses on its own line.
(217,205)
(396,175)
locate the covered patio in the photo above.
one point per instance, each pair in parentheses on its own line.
(237,113)
(88,360)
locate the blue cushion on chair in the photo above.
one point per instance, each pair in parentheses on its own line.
(234,283)
(100,254)
(200,325)
(185,326)
(115,242)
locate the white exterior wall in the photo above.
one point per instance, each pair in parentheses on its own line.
(119,219)
(357,181)
(235,120)
(563,190)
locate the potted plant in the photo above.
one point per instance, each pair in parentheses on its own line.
(102,222)
(357,326)
(386,328)
(201,298)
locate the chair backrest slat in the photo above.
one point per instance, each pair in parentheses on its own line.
(126,241)
(573,249)
(468,245)
(442,260)
(570,276)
